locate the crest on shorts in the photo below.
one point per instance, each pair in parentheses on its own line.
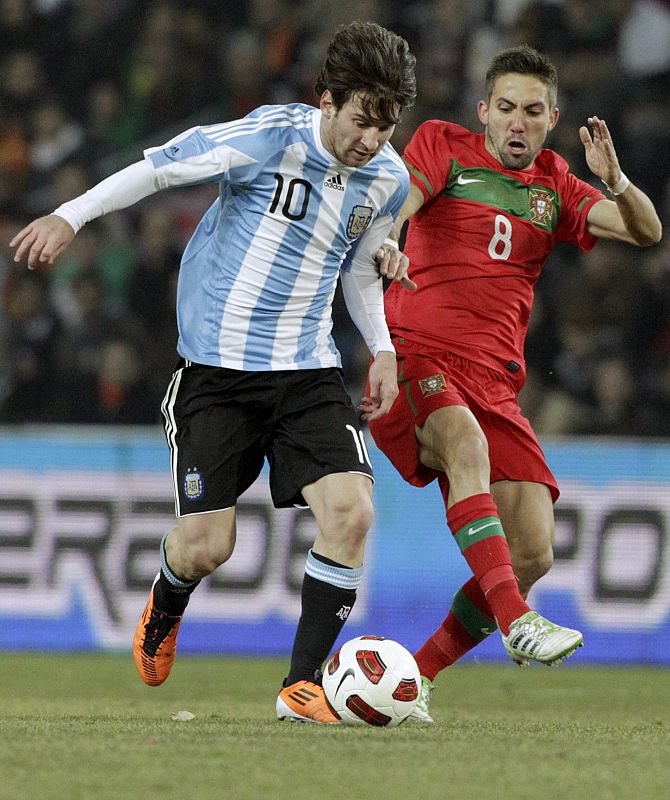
(359,219)
(433,384)
(194,486)
(541,207)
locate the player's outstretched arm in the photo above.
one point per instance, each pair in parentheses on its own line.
(42,241)
(631,216)
(45,238)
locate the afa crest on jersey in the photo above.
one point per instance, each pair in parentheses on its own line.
(194,486)
(541,207)
(359,219)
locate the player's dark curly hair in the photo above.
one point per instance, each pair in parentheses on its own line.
(367,60)
(523,60)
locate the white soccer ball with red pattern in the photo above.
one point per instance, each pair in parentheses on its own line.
(371,680)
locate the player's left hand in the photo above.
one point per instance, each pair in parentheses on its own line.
(394,265)
(42,240)
(599,151)
(383,380)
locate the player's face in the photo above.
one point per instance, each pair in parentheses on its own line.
(349,134)
(518,118)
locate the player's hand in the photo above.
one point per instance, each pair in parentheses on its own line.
(394,265)
(42,241)
(383,380)
(599,150)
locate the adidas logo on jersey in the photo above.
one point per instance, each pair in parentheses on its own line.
(334,183)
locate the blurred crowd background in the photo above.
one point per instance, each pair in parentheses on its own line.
(85,85)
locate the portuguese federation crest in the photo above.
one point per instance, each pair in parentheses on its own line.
(541,207)
(359,219)
(434,384)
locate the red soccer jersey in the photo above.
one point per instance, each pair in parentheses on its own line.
(478,244)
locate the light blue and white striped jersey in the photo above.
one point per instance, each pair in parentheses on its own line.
(258,277)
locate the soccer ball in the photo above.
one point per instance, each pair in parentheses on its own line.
(371,680)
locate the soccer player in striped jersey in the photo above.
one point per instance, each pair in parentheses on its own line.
(486,210)
(306,195)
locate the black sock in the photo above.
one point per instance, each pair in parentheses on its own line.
(325,609)
(170,598)
(171,593)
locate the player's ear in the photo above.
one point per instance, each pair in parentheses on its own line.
(326,104)
(483,112)
(553,118)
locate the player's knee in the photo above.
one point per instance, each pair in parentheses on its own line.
(471,448)
(359,520)
(203,550)
(352,519)
(204,559)
(530,566)
(468,457)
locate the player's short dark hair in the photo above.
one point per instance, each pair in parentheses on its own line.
(367,60)
(523,60)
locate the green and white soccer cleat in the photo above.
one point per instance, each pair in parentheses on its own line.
(420,713)
(534,638)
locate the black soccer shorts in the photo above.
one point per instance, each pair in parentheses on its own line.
(221,424)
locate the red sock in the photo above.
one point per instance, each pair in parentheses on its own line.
(476,527)
(446,645)
(469,621)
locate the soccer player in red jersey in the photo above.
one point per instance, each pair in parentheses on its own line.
(486,210)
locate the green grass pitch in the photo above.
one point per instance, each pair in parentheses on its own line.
(84,727)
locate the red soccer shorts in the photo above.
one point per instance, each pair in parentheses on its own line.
(429,381)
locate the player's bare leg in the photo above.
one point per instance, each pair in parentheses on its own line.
(192,550)
(529,522)
(453,442)
(342,506)
(526,511)
(528,518)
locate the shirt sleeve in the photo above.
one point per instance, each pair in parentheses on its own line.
(120,190)
(362,252)
(427,159)
(363,292)
(577,197)
(363,288)
(200,156)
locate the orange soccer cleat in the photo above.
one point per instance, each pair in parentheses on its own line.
(305,701)
(155,644)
